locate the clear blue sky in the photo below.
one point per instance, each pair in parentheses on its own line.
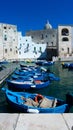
(33,14)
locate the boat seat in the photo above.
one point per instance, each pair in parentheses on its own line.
(54,103)
(48,103)
(31,102)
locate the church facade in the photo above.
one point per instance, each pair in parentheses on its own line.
(46,36)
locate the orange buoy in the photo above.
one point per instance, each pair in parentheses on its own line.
(38,97)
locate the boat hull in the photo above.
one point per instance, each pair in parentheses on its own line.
(16,103)
(17,85)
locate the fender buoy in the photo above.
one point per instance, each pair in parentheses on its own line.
(37,81)
(38,97)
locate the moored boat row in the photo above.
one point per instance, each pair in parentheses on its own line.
(33,77)
(30,77)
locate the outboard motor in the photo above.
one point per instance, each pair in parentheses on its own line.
(69,99)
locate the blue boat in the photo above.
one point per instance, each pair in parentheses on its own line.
(21,73)
(21,77)
(36,103)
(26,67)
(52,76)
(4,62)
(20,84)
(30,70)
(35,74)
(48,63)
(26,73)
(29,76)
(65,65)
(70,66)
(44,63)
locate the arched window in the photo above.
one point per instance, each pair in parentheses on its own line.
(65,32)
(65,39)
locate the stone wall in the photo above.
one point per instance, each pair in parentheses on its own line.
(48,36)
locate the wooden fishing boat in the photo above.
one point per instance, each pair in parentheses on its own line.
(36,103)
(65,65)
(70,66)
(44,63)
(37,76)
(20,84)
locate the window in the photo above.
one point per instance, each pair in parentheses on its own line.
(47,43)
(9,27)
(14,30)
(5,37)
(5,50)
(10,49)
(68,50)
(40,49)
(52,43)
(65,39)
(65,32)
(19,52)
(62,49)
(13,39)
(53,35)
(27,45)
(34,49)
(20,45)
(42,37)
(16,51)
(4,27)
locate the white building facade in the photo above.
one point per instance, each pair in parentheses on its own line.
(36,44)
(8,42)
(28,49)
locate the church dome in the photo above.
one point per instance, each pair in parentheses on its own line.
(48,25)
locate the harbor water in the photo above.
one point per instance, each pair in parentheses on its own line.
(58,89)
